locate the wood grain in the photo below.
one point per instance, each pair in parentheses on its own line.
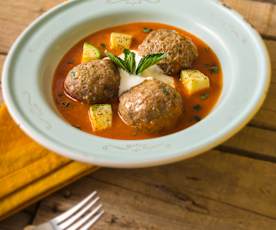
(214,191)
(260,15)
(16,15)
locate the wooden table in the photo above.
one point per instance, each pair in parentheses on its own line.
(230,187)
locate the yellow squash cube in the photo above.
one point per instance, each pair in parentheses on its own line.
(100,116)
(194,81)
(120,41)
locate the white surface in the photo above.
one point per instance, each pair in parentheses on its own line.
(29,68)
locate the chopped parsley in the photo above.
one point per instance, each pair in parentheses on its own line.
(197,118)
(66,104)
(197,107)
(147,30)
(165,91)
(204,96)
(213,69)
(103,45)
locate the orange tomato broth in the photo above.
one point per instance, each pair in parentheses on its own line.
(76,113)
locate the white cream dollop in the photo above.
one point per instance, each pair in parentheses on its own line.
(130,80)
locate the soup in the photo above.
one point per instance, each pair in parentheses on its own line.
(196,106)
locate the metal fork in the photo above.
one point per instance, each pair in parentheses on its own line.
(82,216)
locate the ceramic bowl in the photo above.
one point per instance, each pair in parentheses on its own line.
(29,69)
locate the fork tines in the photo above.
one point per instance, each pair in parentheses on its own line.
(81,216)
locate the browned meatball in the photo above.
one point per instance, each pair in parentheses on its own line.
(181,51)
(151,106)
(93,82)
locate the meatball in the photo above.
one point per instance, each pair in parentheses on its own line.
(151,106)
(93,82)
(181,51)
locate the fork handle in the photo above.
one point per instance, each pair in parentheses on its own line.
(45,226)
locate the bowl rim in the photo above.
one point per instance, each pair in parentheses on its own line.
(170,158)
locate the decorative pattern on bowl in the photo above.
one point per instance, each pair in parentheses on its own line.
(136,147)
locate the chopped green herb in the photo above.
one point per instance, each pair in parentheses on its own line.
(204,96)
(73,74)
(197,118)
(165,91)
(66,104)
(103,45)
(197,107)
(147,30)
(213,69)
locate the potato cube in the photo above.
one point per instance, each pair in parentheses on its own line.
(100,116)
(120,41)
(194,81)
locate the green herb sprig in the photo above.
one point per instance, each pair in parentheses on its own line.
(149,61)
(129,63)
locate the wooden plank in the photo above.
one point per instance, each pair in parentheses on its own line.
(214,191)
(16,15)
(259,14)
(272,25)
(265,119)
(253,140)
(17,221)
(2,58)
(271,46)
